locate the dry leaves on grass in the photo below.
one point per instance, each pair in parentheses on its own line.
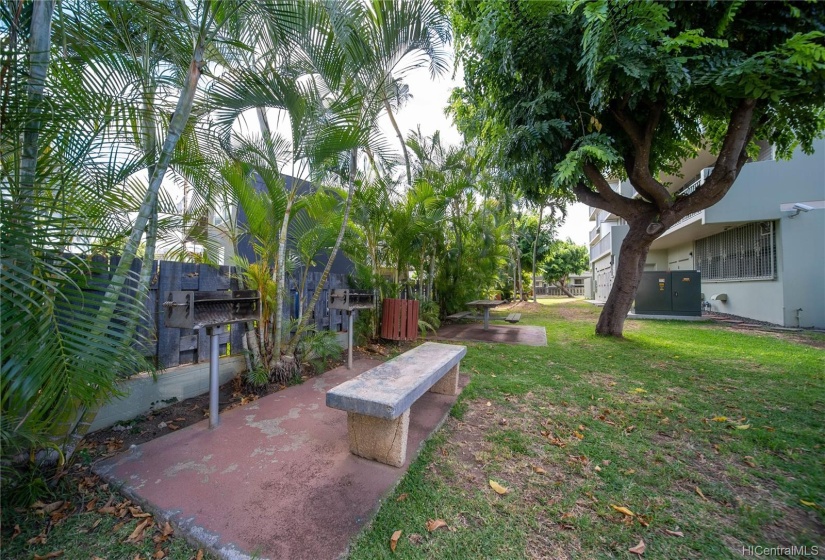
(55,554)
(137,534)
(674,533)
(699,491)
(433,524)
(624,510)
(639,548)
(499,489)
(394,540)
(402,497)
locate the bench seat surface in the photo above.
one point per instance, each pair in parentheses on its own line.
(389,389)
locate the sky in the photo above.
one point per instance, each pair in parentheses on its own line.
(426,108)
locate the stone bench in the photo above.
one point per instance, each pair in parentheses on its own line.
(513,318)
(378,401)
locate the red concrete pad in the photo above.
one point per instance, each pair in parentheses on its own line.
(275,479)
(525,334)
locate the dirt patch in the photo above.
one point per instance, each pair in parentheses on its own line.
(525,306)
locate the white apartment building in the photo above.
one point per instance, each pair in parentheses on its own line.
(760,250)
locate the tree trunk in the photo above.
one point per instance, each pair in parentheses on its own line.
(430,278)
(629,270)
(535,248)
(400,139)
(564,289)
(290,348)
(39,48)
(148,206)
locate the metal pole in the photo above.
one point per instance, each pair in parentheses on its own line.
(349,343)
(214,421)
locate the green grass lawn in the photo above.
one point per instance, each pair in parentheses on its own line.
(711,437)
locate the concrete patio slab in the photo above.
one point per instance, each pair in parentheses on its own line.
(511,334)
(276,480)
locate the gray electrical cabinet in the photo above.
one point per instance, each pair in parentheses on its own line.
(677,292)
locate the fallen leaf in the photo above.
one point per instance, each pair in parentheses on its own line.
(137,513)
(402,497)
(55,554)
(159,553)
(720,418)
(167,529)
(622,509)
(48,508)
(642,521)
(91,505)
(638,549)
(539,470)
(433,524)
(749,461)
(119,526)
(394,540)
(638,390)
(96,523)
(807,503)
(698,491)
(17,531)
(137,534)
(39,539)
(743,427)
(597,468)
(674,533)
(630,471)
(173,427)
(200,555)
(578,435)
(498,487)
(489,403)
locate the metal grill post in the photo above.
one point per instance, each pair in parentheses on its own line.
(214,383)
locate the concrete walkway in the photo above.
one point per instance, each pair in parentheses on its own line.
(275,480)
(509,334)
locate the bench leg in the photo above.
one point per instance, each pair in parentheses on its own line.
(447,385)
(378,439)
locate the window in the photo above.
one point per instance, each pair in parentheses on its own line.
(744,253)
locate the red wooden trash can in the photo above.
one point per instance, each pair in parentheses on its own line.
(399,319)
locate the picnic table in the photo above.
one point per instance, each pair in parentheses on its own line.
(485,305)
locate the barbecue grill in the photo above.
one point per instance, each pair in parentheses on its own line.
(212,311)
(349,301)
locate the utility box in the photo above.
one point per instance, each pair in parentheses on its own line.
(677,292)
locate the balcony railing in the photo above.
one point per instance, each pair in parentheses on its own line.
(689,189)
(603,246)
(594,233)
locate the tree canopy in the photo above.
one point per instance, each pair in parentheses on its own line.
(590,91)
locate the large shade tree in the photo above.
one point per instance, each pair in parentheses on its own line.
(596,90)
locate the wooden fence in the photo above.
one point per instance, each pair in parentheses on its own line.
(171,347)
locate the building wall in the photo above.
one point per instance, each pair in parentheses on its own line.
(761,300)
(602,278)
(680,257)
(802,250)
(656,260)
(763,186)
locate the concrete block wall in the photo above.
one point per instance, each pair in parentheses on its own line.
(145,393)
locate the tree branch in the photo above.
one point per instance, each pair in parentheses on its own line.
(732,156)
(642,140)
